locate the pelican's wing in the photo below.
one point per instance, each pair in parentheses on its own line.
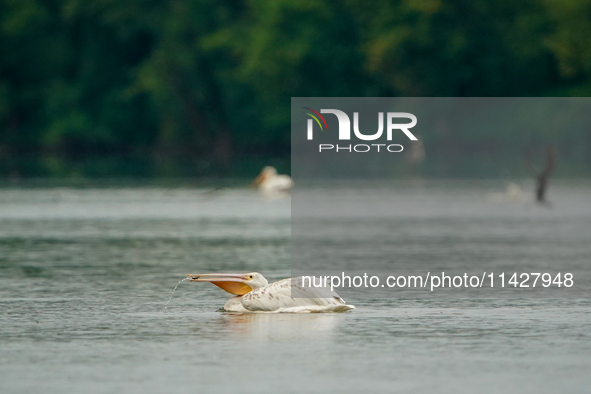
(288,295)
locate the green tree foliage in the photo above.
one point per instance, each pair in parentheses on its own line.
(456,47)
(201,84)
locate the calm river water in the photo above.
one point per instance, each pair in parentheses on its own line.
(85,275)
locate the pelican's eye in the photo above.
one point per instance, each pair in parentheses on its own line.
(250,277)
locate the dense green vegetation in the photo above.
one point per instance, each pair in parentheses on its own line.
(196,87)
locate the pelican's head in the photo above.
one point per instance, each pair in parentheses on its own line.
(266,173)
(237,284)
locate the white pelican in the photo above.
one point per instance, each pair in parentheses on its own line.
(270,182)
(255,295)
(513,194)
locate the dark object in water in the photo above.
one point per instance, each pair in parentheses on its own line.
(543,177)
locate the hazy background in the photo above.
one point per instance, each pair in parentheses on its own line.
(179,88)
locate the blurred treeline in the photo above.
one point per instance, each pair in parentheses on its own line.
(202,87)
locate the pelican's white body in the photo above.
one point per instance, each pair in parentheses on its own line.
(270,183)
(254,294)
(287,296)
(513,194)
(276,184)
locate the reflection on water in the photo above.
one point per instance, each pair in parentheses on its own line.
(269,328)
(85,276)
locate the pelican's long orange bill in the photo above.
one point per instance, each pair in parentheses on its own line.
(232,283)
